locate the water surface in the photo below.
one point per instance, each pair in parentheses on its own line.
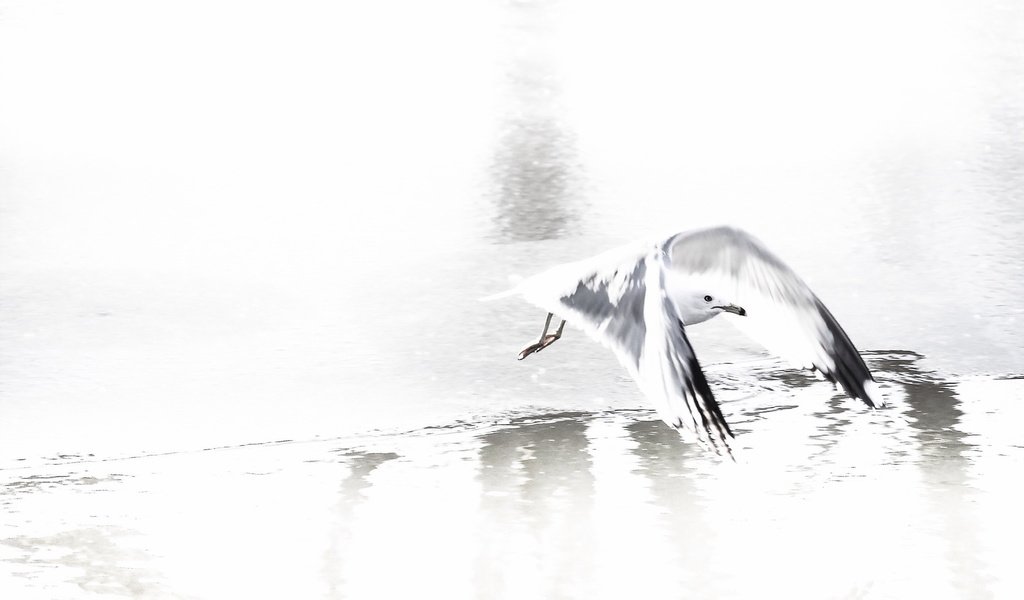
(241,247)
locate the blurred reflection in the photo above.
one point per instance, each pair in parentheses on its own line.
(660,453)
(351,496)
(932,405)
(666,463)
(362,464)
(942,460)
(795,378)
(535,176)
(536,482)
(99,556)
(93,559)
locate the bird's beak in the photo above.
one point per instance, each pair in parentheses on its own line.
(736,310)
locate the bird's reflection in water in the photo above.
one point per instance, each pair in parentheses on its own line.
(350,497)
(666,463)
(943,454)
(932,406)
(584,504)
(94,559)
(536,487)
(361,465)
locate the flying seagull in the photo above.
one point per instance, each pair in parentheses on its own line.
(638,301)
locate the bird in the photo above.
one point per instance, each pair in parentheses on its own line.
(639,300)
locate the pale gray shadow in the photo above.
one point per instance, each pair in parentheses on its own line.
(666,462)
(932,405)
(943,460)
(95,559)
(536,485)
(350,497)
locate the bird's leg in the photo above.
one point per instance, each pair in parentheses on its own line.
(546,339)
(536,347)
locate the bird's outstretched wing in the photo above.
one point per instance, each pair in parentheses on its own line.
(618,299)
(783,314)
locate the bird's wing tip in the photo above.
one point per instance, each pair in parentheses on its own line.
(874,394)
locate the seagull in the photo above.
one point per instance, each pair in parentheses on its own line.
(639,300)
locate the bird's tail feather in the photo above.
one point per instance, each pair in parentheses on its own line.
(516,285)
(500,295)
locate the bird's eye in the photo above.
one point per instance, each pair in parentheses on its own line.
(707,298)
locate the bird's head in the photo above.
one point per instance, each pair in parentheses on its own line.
(701,305)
